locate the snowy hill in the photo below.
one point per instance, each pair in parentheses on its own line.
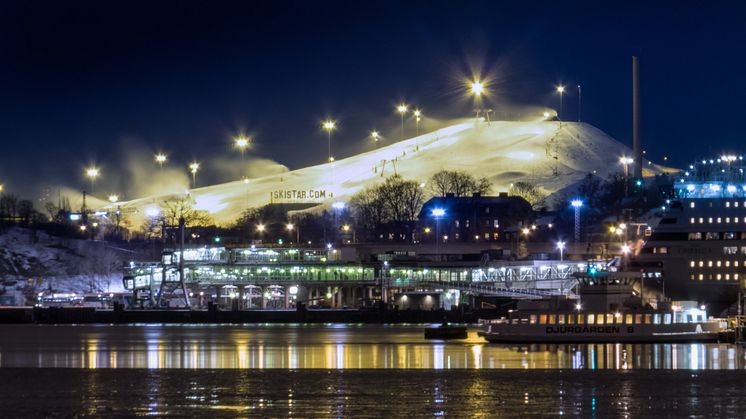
(549,154)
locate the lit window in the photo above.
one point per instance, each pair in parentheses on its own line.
(719,277)
(735,204)
(735,220)
(727,264)
(727,219)
(691,264)
(735,276)
(709,220)
(691,205)
(727,277)
(727,204)
(735,263)
(691,277)
(719,221)
(719,263)
(691,220)
(701,277)
(701,263)
(700,220)
(709,264)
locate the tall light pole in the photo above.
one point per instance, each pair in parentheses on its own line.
(241,143)
(92,173)
(437,213)
(561,248)
(580,101)
(194,168)
(329,126)
(577,204)
(160,159)
(375,136)
(561,91)
(290,227)
(417,117)
(402,109)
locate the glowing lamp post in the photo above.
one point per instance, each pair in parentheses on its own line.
(290,227)
(577,204)
(417,117)
(92,173)
(193,169)
(113,198)
(375,136)
(561,248)
(160,159)
(561,92)
(402,109)
(626,161)
(476,88)
(437,213)
(329,126)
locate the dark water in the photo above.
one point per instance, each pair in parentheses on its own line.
(351,371)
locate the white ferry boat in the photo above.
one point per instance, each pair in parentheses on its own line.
(607,311)
(697,249)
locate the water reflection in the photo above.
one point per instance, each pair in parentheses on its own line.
(328,347)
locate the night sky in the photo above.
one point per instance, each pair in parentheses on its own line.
(84,82)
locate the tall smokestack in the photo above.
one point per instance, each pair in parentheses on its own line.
(636,141)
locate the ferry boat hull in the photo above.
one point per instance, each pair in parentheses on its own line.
(690,332)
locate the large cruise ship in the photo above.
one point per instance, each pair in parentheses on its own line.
(697,251)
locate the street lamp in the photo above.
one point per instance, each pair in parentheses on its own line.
(160,159)
(437,213)
(113,198)
(290,227)
(476,88)
(561,248)
(577,204)
(626,161)
(580,101)
(329,126)
(402,109)
(375,136)
(194,168)
(417,117)
(561,91)
(92,173)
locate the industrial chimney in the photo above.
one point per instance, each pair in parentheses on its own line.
(636,141)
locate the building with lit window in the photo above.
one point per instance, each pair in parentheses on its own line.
(474,218)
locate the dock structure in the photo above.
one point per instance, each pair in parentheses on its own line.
(254,277)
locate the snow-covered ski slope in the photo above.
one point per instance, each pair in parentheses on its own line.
(549,154)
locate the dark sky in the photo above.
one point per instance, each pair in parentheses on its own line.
(79,81)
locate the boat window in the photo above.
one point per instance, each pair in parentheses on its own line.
(609,318)
(560,319)
(648,319)
(628,318)
(600,318)
(551,319)
(667,318)
(570,319)
(656,318)
(532,319)
(591,319)
(581,318)
(638,318)
(542,319)
(690,318)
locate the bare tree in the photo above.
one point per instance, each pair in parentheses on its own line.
(528,191)
(459,183)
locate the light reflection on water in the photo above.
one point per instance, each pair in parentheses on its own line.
(328,347)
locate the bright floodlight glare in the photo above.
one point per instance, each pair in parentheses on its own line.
(477,88)
(438,212)
(160,158)
(328,125)
(417,113)
(374,134)
(346,227)
(546,114)
(625,249)
(241,142)
(152,212)
(260,227)
(92,172)
(576,203)
(402,109)
(289,226)
(561,245)
(194,167)
(560,89)
(339,205)
(113,198)
(626,160)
